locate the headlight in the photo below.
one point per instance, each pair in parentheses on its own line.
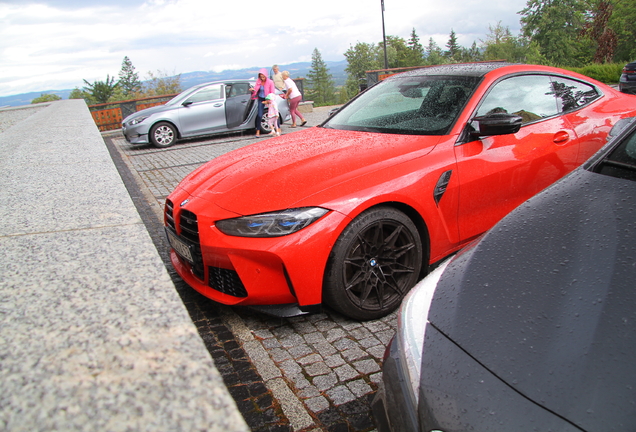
(274,224)
(412,320)
(137,120)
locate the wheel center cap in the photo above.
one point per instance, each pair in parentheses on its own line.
(373,262)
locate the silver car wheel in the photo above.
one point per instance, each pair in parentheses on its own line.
(163,135)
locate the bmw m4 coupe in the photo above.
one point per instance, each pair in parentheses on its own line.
(353,212)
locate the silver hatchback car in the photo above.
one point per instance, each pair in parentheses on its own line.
(205,109)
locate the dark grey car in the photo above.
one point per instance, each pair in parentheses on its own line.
(533,327)
(205,109)
(627,82)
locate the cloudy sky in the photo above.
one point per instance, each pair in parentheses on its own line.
(55,44)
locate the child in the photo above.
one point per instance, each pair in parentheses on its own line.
(272,114)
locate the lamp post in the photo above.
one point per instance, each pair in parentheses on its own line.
(386,61)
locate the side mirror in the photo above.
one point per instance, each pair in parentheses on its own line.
(498,124)
(187,103)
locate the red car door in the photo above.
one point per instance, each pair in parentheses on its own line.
(497,173)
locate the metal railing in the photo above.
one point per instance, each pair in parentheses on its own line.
(108,116)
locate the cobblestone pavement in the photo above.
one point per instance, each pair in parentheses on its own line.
(309,373)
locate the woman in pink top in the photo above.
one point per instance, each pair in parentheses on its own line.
(294,96)
(262,88)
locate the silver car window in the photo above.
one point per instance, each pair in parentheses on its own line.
(206,94)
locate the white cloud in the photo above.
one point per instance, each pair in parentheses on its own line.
(55,44)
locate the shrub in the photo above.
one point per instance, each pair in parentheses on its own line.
(608,73)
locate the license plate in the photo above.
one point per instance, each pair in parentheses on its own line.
(179,246)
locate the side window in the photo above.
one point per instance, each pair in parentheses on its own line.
(239,89)
(572,94)
(529,96)
(206,94)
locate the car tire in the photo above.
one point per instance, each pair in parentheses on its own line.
(264,126)
(376,260)
(163,134)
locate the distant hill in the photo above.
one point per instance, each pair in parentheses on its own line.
(189,79)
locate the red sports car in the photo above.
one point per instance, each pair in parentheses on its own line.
(353,212)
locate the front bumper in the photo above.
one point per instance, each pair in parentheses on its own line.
(393,406)
(244,271)
(135,135)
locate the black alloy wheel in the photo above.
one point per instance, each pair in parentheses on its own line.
(163,134)
(375,262)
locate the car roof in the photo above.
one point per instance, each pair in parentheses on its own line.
(477,69)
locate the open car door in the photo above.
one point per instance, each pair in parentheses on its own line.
(237,104)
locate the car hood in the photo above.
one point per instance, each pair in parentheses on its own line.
(289,171)
(546,300)
(148,111)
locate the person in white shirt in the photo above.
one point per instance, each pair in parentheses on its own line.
(294,96)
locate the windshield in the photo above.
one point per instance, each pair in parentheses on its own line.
(621,162)
(418,105)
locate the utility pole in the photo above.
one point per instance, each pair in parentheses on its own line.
(386,60)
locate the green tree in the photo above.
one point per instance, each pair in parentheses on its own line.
(129,79)
(416,54)
(453,47)
(320,81)
(500,44)
(398,53)
(101,91)
(361,58)
(622,23)
(162,84)
(434,54)
(556,26)
(44,97)
(471,54)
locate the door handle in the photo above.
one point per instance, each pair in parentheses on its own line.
(218,104)
(561,137)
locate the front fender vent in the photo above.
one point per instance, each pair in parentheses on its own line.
(442,184)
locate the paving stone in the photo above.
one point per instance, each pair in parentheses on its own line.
(340,395)
(385,336)
(334,361)
(377,351)
(376,378)
(292,340)
(308,392)
(325,349)
(353,354)
(300,382)
(325,382)
(312,358)
(346,372)
(369,342)
(315,337)
(360,333)
(316,369)
(344,344)
(300,351)
(335,334)
(366,367)
(359,388)
(290,368)
(279,355)
(317,404)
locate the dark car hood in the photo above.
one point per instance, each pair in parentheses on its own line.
(282,172)
(548,304)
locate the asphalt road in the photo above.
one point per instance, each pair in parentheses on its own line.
(308,373)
